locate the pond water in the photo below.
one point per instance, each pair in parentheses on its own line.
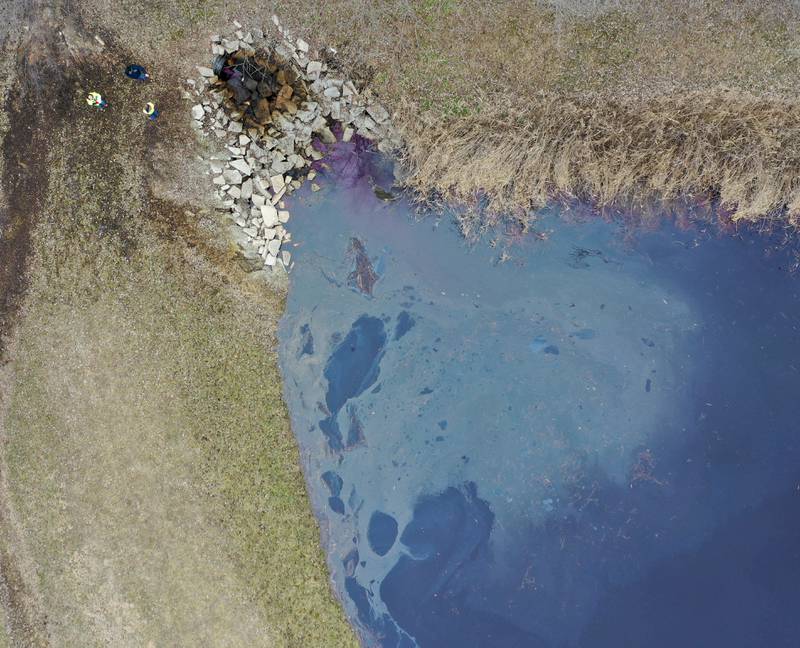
(594,443)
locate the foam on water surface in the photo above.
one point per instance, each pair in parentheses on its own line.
(516,454)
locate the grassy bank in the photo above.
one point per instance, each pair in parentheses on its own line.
(615,101)
(152,492)
(151,462)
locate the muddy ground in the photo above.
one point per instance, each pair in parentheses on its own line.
(150,490)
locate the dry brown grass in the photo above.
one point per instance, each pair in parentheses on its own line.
(742,148)
(625,100)
(606,99)
(150,485)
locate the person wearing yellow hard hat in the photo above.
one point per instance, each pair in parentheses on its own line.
(150,110)
(96,99)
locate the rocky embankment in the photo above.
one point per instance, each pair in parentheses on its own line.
(275,105)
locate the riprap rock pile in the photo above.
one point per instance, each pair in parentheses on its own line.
(276,106)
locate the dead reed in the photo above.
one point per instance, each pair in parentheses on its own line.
(743,149)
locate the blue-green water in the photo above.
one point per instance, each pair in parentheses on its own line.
(592,444)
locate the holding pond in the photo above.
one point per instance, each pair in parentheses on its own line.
(590,445)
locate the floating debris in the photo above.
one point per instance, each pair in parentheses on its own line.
(363,277)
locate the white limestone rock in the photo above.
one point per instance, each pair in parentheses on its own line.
(327,136)
(306,116)
(269,215)
(318,124)
(286,144)
(240,165)
(247,189)
(261,186)
(277,197)
(277,182)
(232,177)
(377,112)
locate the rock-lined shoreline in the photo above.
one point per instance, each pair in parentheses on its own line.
(275,105)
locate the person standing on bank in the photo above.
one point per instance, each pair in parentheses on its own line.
(96,99)
(137,73)
(151,111)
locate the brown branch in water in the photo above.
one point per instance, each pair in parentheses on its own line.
(363,277)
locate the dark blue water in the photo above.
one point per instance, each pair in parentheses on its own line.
(594,444)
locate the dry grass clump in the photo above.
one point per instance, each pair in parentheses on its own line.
(743,149)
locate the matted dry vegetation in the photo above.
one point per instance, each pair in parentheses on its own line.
(611,100)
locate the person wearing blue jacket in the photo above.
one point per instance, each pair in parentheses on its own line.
(137,73)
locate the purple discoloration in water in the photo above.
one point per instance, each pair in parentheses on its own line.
(620,464)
